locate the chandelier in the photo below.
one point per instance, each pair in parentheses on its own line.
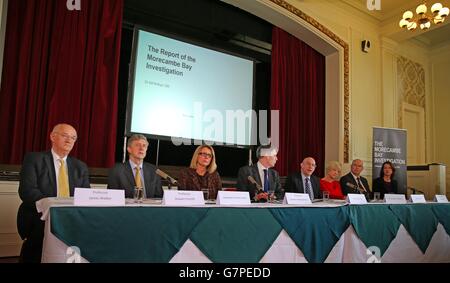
(424,19)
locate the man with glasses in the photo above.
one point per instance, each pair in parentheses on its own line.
(47,174)
(304,181)
(135,172)
(258,179)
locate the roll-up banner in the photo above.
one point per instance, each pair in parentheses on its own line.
(390,145)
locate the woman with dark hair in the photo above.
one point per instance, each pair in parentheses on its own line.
(385,184)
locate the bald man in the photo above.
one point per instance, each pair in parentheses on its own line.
(304,181)
(47,174)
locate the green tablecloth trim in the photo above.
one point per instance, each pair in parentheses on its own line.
(315,231)
(442,213)
(419,220)
(236,234)
(159,237)
(382,229)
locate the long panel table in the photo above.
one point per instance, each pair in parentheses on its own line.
(324,232)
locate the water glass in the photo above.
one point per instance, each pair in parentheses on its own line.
(138,195)
(271,196)
(376,196)
(325,195)
(205,194)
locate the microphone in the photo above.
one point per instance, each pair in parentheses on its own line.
(414,190)
(166,177)
(252,180)
(361,190)
(350,185)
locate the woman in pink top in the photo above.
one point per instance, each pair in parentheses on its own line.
(330,182)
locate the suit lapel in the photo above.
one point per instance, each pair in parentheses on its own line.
(129,174)
(48,159)
(255,174)
(70,173)
(147,181)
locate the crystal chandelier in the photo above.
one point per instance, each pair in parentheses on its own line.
(422,18)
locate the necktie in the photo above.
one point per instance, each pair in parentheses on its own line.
(266,180)
(308,189)
(63,180)
(137,177)
(358,180)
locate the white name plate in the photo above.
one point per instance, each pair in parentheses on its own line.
(395,198)
(99,197)
(175,197)
(440,199)
(231,198)
(356,199)
(418,199)
(296,198)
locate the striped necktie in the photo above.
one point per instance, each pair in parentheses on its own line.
(308,189)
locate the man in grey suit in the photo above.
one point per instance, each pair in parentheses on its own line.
(47,174)
(262,173)
(135,172)
(304,181)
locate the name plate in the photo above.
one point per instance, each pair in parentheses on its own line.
(395,198)
(172,197)
(98,197)
(232,197)
(418,199)
(356,199)
(440,199)
(296,198)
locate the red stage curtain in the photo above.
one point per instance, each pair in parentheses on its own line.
(298,92)
(60,66)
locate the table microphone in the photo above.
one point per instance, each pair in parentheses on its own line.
(252,180)
(166,177)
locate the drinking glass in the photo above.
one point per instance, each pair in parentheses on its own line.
(325,196)
(138,195)
(376,196)
(205,194)
(271,196)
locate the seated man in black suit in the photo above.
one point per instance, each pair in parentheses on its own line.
(47,174)
(266,179)
(353,182)
(135,172)
(304,181)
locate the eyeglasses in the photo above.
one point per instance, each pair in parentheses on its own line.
(205,154)
(67,136)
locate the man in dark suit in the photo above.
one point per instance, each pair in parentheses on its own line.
(353,182)
(47,174)
(304,181)
(266,179)
(135,172)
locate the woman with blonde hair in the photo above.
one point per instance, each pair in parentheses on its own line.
(202,173)
(330,182)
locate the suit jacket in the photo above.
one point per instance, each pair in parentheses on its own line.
(294,184)
(38,180)
(121,177)
(243,184)
(379,186)
(348,179)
